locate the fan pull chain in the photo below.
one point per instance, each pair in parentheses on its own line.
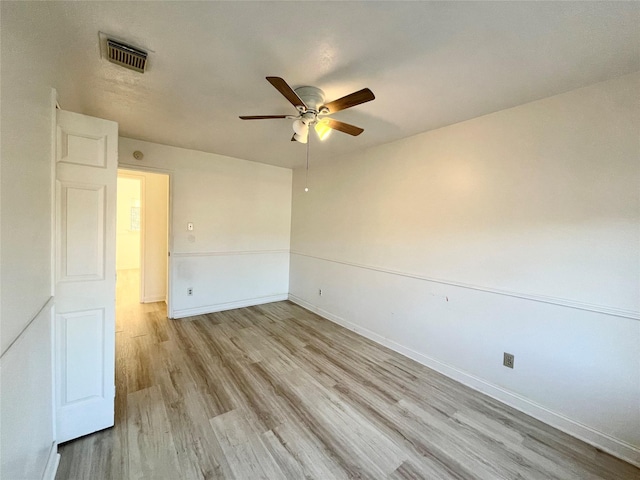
(306,179)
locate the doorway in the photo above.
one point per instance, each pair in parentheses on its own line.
(142,238)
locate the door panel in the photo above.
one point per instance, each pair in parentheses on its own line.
(86,170)
(82,232)
(81,148)
(82,341)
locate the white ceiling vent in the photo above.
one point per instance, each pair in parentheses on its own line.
(126,56)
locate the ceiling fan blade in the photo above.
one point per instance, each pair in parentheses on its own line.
(284,88)
(261,117)
(343,127)
(356,98)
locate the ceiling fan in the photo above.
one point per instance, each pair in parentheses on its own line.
(312,111)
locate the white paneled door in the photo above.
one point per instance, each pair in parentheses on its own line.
(86,172)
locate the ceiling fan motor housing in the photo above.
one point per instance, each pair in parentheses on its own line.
(313,97)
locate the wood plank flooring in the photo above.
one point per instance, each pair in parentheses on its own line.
(276,392)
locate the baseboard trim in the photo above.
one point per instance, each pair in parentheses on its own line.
(52,463)
(219,307)
(154,298)
(624,451)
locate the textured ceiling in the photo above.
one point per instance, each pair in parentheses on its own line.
(430,64)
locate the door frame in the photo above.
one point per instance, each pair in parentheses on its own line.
(140,168)
(52,247)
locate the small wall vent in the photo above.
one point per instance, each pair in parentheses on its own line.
(126,56)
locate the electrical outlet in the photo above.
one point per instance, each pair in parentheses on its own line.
(189,291)
(508,360)
(320,292)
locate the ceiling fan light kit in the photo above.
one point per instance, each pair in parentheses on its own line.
(310,103)
(323,129)
(300,127)
(302,138)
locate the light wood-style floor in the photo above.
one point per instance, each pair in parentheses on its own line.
(274,392)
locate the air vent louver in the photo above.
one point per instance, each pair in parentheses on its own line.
(126,56)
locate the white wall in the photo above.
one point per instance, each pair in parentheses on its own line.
(238,251)
(127,240)
(26,413)
(26,374)
(514,232)
(156,213)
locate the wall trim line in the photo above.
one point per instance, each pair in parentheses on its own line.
(46,306)
(219,307)
(224,253)
(562,302)
(618,448)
